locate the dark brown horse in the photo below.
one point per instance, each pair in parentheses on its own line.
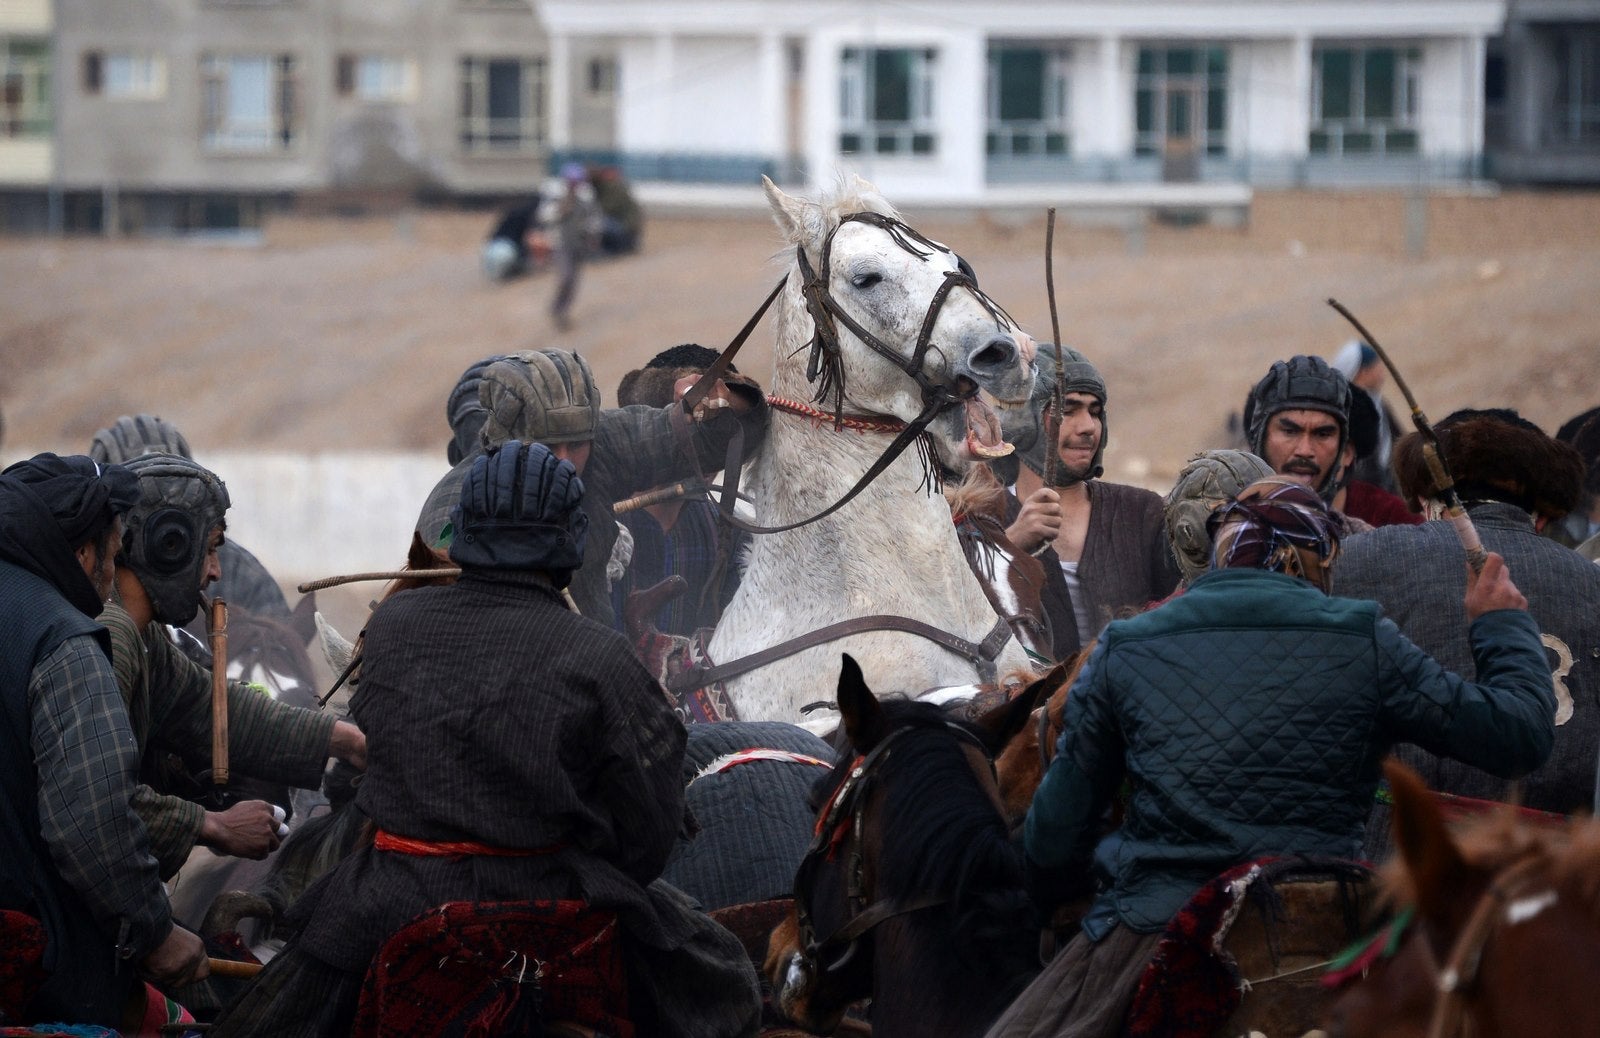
(1510,908)
(911,893)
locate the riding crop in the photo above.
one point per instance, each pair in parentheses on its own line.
(219,692)
(1443,484)
(1058,399)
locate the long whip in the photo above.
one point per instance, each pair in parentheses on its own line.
(1443,484)
(1058,399)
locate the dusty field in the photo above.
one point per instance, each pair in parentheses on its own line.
(347,334)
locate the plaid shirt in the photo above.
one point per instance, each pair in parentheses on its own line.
(168,698)
(86,758)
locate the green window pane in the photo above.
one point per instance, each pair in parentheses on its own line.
(1217,61)
(1182,61)
(1358,142)
(1321,142)
(1144,149)
(1149,61)
(991,144)
(1022,144)
(849,144)
(1144,105)
(1402,142)
(1055,143)
(891,86)
(1337,76)
(922,143)
(1022,84)
(1180,113)
(1216,110)
(886,144)
(1379,75)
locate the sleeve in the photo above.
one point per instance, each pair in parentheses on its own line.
(644,447)
(86,758)
(641,786)
(266,739)
(1504,723)
(1164,574)
(1062,823)
(173,825)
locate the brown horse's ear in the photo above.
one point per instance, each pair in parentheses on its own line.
(420,556)
(864,722)
(1436,867)
(303,618)
(1000,724)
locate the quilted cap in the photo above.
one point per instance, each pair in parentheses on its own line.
(1209,479)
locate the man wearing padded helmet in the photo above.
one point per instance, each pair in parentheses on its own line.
(1210,480)
(245,582)
(1101,543)
(1297,420)
(1247,718)
(550,397)
(169,555)
(520,753)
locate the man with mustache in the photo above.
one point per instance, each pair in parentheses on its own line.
(1298,421)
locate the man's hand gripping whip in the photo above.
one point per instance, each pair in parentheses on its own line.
(219,691)
(1455,511)
(1058,400)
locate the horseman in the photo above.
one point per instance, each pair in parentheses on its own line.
(1516,481)
(170,554)
(518,751)
(1210,480)
(76,856)
(1101,543)
(550,397)
(1248,717)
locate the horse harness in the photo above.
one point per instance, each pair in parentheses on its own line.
(841,819)
(1460,971)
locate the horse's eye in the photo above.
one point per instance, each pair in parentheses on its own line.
(865,281)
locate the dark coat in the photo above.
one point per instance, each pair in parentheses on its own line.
(1249,717)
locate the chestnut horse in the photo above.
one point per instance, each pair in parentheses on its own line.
(1510,907)
(911,893)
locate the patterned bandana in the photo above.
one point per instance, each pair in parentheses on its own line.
(1276,525)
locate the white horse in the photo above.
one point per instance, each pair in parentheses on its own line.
(892,549)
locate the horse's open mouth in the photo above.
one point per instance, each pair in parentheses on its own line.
(983,431)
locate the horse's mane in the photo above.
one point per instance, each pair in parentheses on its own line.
(1571,855)
(949,840)
(849,194)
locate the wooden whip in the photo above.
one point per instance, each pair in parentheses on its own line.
(395,574)
(230,968)
(1052,425)
(219,692)
(655,497)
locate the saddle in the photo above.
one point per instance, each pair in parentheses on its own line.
(483,969)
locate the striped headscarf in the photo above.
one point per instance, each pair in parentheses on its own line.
(1276,525)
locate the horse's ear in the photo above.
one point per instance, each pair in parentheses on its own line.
(1434,864)
(419,555)
(303,618)
(1000,724)
(798,219)
(864,722)
(335,647)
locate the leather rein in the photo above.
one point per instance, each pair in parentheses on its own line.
(846,811)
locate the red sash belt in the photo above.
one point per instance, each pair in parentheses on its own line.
(386,841)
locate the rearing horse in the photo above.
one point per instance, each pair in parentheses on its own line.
(882,328)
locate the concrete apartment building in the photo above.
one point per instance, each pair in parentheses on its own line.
(181,114)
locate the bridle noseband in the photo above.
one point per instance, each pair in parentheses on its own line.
(841,819)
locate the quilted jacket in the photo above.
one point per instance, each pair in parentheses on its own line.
(1249,717)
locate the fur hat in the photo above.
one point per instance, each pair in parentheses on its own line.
(1495,455)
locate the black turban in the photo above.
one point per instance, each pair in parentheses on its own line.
(519,510)
(49,506)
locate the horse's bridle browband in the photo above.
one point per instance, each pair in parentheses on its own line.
(824,365)
(849,802)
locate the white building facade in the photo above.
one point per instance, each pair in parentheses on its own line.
(956,101)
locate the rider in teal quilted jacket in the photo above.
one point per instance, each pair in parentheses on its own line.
(1249,717)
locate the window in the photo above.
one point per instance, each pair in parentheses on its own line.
(601,76)
(124,75)
(886,102)
(1577,103)
(1364,100)
(1181,95)
(376,77)
(247,102)
(1028,101)
(25,105)
(502,104)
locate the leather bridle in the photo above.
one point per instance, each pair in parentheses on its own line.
(824,365)
(841,820)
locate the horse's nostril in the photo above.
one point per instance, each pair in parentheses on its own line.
(995,355)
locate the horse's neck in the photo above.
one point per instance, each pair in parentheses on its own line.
(919,990)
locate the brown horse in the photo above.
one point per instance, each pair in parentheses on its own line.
(1512,910)
(911,892)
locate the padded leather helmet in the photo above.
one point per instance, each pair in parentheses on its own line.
(136,434)
(1300,383)
(165,535)
(539,396)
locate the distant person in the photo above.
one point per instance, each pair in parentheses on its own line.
(509,250)
(1582,524)
(575,221)
(1359,363)
(621,219)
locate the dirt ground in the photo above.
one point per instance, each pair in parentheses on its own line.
(347,334)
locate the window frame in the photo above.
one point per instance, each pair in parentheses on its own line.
(283,120)
(351,81)
(26,74)
(476,133)
(916,136)
(1001,135)
(1333,137)
(1208,80)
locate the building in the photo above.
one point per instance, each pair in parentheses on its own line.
(1543,94)
(964,102)
(27,152)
